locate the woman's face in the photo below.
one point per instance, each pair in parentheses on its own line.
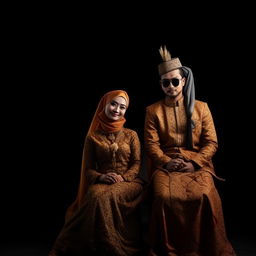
(116,108)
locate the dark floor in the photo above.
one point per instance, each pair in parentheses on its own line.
(243,247)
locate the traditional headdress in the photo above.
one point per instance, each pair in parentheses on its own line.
(168,63)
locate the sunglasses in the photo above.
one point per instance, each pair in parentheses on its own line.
(167,82)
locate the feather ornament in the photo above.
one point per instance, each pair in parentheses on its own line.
(165,54)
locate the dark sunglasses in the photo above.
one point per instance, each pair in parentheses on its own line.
(167,82)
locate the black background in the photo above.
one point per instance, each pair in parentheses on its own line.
(59,62)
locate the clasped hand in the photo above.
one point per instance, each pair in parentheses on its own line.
(110,178)
(180,165)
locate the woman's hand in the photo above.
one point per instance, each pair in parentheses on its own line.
(117,177)
(110,178)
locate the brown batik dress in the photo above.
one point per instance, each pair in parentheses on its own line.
(108,222)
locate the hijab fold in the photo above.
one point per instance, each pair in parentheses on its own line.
(99,122)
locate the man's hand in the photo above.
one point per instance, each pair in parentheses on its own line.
(188,167)
(180,165)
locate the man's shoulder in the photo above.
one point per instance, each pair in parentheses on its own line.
(154,105)
(201,106)
(200,103)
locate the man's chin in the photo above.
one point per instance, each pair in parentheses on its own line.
(171,95)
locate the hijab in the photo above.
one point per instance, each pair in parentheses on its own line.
(99,122)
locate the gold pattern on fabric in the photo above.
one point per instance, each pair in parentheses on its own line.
(113,138)
(109,213)
(187,216)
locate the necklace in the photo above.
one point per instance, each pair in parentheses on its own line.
(113,147)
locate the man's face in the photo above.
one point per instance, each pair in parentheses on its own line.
(172,83)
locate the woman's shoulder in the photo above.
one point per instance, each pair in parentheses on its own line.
(95,136)
(129,132)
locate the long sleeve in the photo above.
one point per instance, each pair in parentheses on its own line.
(88,176)
(89,162)
(152,141)
(208,143)
(135,158)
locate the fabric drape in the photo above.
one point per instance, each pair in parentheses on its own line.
(99,121)
(187,216)
(104,218)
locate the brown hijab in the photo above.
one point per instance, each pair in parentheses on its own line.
(99,122)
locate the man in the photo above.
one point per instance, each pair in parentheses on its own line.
(180,141)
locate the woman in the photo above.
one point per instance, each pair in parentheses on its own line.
(103,220)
